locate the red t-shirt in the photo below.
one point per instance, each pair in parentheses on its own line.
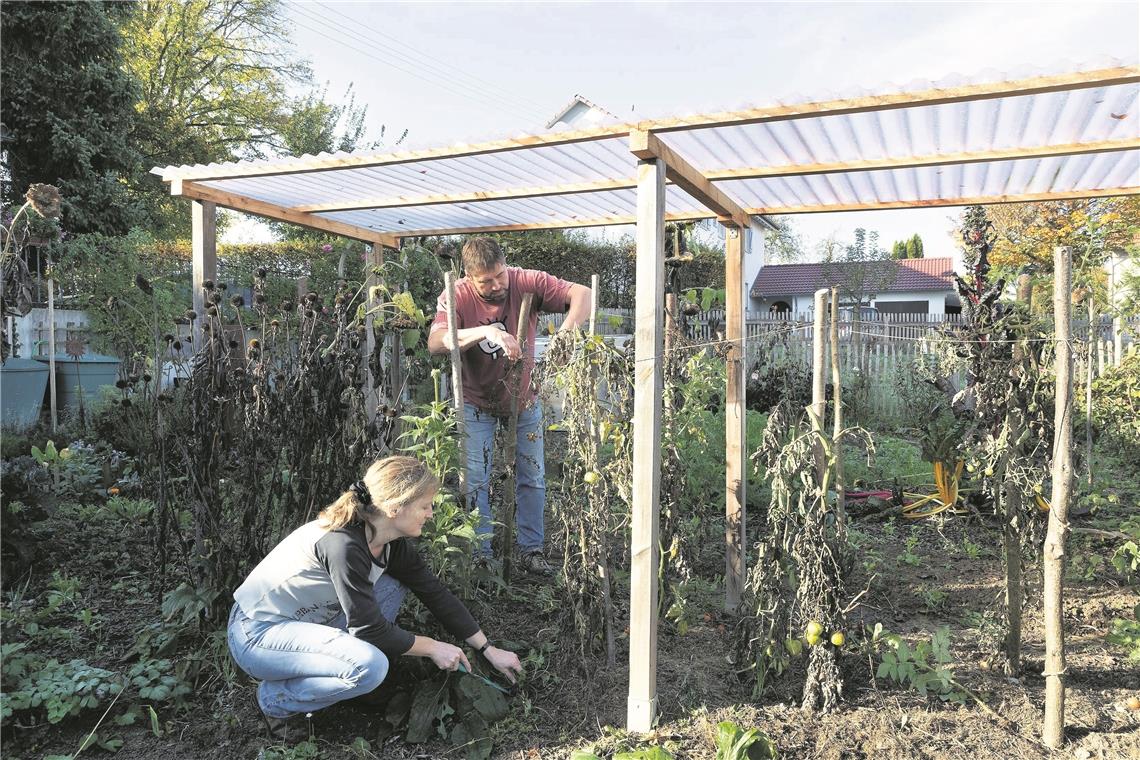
(485,366)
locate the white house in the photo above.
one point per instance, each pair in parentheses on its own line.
(909,286)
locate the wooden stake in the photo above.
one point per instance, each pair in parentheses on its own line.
(735,422)
(819,382)
(457,382)
(375,258)
(837,427)
(594,284)
(51,350)
(1054,555)
(1089,375)
(641,706)
(511,450)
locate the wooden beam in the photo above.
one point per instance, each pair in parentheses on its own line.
(934,96)
(646,146)
(982,200)
(722,175)
(366,204)
(736,469)
(644,532)
(204,255)
(758,210)
(282,214)
(557,225)
(917,162)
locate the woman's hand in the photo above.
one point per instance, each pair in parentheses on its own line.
(503,661)
(449,657)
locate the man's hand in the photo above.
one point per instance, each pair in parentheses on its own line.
(448,656)
(503,661)
(505,341)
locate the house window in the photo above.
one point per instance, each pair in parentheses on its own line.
(779,307)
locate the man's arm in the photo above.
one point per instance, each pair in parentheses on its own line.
(581,298)
(439,341)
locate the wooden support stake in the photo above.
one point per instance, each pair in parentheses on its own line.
(819,382)
(593,303)
(457,382)
(837,426)
(51,352)
(1090,374)
(509,503)
(1054,555)
(204,249)
(374,259)
(735,422)
(641,706)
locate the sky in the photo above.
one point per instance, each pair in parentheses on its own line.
(465,72)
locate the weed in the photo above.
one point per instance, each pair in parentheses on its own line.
(909,556)
(734,743)
(923,667)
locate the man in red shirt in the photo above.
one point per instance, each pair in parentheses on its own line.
(487,305)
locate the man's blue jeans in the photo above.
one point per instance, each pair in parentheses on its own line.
(530,473)
(304,667)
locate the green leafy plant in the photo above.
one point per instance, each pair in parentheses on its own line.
(1126,635)
(734,743)
(60,689)
(923,667)
(909,556)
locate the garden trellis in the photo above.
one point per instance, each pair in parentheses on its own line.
(990,140)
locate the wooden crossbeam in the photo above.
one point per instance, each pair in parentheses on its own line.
(977,200)
(471,197)
(280,213)
(935,96)
(758,172)
(774,210)
(647,146)
(566,224)
(917,162)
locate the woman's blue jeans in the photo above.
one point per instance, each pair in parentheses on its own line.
(304,667)
(530,474)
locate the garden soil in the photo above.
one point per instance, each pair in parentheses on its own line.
(565,705)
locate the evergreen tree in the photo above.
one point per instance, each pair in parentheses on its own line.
(68,110)
(898,250)
(916,251)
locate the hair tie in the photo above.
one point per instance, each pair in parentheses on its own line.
(360,491)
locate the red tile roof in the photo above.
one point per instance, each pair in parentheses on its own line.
(799,279)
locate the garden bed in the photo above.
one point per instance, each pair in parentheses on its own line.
(927,575)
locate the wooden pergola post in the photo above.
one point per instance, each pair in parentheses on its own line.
(736,477)
(649,342)
(204,248)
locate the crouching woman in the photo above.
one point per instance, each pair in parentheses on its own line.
(314,621)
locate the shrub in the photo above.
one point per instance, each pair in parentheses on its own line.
(1116,408)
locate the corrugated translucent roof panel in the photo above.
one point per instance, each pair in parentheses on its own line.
(1050,135)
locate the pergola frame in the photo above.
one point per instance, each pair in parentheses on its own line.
(658,166)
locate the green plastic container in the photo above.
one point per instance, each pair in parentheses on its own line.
(89,373)
(22,386)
